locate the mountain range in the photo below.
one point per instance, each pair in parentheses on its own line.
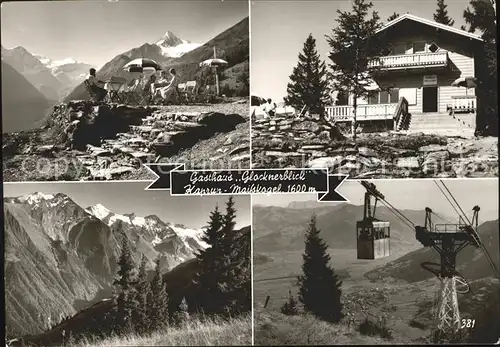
(283,228)
(61,257)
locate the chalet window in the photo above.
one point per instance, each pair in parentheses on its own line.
(410,94)
(384,97)
(419,47)
(433,47)
(394,95)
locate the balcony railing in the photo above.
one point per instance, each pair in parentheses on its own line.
(417,60)
(463,103)
(363,112)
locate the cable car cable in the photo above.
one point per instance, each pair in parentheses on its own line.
(402,219)
(394,210)
(476,235)
(447,198)
(456,202)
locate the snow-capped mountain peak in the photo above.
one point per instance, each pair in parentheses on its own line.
(174,47)
(169,40)
(99,211)
(36,198)
(152,223)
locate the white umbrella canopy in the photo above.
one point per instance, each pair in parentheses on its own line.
(141,64)
(214,62)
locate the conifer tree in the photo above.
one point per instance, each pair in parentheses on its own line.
(319,287)
(481,17)
(209,260)
(157,299)
(124,284)
(393,16)
(290,306)
(308,84)
(236,265)
(441,15)
(354,44)
(182,314)
(141,314)
(224,267)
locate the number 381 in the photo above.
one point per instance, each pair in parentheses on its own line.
(468,323)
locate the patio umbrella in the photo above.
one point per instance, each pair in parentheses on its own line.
(257,100)
(215,63)
(467,82)
(141,64)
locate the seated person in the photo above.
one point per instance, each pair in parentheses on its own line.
(163,88)
(149,85)
(96,85)
(269,108)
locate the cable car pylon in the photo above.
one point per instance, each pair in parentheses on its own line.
(448,240)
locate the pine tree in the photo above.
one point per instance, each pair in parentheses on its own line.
(290,307)
(393,16)
(209,295)
(124,284)
(182,314)
(441,15)
(319,287)
(236,265)
(481,17)
(354,44)
(157,299)
(308,84)
(140,316)
(245,81)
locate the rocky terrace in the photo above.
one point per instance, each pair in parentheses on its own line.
(286,142)
(89,141)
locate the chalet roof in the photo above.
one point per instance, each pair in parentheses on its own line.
(430,23)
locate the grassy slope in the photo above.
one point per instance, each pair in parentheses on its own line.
(214,332)
(272,329)
(402,303)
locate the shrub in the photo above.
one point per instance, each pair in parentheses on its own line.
(371,328)
(290,307)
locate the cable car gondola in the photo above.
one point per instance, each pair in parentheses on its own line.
(373,235)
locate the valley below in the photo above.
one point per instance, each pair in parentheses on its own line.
(395,289)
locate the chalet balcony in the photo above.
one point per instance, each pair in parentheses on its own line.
(411,61)
(363,112)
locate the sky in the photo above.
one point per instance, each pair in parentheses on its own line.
(280,28)
(413,194)
(130,197)
(96,31)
